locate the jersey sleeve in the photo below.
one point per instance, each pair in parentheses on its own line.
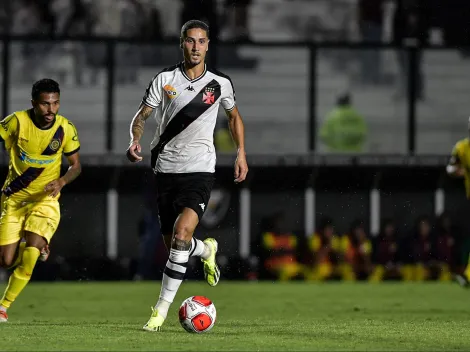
(72,143)
(9,130)
(153,93)
(228,100)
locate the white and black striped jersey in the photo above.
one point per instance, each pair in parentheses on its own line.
(186,113)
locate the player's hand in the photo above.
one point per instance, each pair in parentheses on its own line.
(241,167)
(54,187)
(132,151)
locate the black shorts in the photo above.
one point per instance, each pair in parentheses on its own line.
(178,191)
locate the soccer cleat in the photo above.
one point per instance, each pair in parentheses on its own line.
(211,269)
(462,280)
(44,254)
(155,322)
(3,316)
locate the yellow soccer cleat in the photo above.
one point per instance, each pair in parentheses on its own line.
(155,322)
(211,270)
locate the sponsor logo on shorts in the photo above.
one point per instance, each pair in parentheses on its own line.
(203,206)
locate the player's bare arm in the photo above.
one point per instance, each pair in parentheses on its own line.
(136,131)
(75,168)
(237,129)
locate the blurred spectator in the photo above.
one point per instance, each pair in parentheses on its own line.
(410,30)
(371,23)
(445,247)
(385,253)
(325,249)
(279,251)
(223,141)
(421,252)
(357,249)
(236,20)
(344,129)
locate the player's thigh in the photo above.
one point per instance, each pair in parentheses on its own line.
(43,219)
(12,219)
(194,191)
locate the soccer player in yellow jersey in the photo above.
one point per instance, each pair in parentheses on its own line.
(35,140)
(459,166)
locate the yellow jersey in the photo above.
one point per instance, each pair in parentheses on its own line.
(35,153)
(461,156)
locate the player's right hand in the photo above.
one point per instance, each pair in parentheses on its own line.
(132,152)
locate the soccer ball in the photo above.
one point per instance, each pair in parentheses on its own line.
(197,314)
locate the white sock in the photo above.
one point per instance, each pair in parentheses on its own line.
(199,249)
(3,309)
(173,276)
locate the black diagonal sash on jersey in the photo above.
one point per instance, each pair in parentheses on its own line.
(206,98)
(32,173)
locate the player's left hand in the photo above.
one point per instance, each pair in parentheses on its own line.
(241,167)
(54,187)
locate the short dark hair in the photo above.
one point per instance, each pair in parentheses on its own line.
(45,85)
(194,24)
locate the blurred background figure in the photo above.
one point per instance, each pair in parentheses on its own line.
(385,253)
(223,141)
(357,249)
(325,252)
(445,247)
(280,251)
(344,129)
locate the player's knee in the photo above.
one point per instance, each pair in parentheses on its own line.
(183,232)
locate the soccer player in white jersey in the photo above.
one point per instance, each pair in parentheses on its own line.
(186,99)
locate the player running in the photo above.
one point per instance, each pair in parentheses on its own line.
(186,98)
(459,166)
(35,140)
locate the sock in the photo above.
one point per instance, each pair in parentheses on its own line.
(199,249)
(19,256)
(173,276)
(20,276)
(3,309)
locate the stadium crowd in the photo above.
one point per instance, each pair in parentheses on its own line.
(432,250)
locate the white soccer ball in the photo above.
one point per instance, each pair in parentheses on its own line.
(197,314)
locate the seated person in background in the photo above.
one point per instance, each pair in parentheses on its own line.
(325,249)
(279,251)
(357,250)
(421,251)
(445,247)
(385,253)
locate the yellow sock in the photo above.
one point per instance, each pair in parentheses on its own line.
(21,248)
(20,276)
(467,269)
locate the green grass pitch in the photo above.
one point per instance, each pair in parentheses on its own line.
(89,316)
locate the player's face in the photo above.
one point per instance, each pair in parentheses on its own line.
(46,107)
(195,46)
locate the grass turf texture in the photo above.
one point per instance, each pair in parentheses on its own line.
(92,316)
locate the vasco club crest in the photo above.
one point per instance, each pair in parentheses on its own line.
(208,96)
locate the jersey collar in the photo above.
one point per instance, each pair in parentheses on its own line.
(189,79)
